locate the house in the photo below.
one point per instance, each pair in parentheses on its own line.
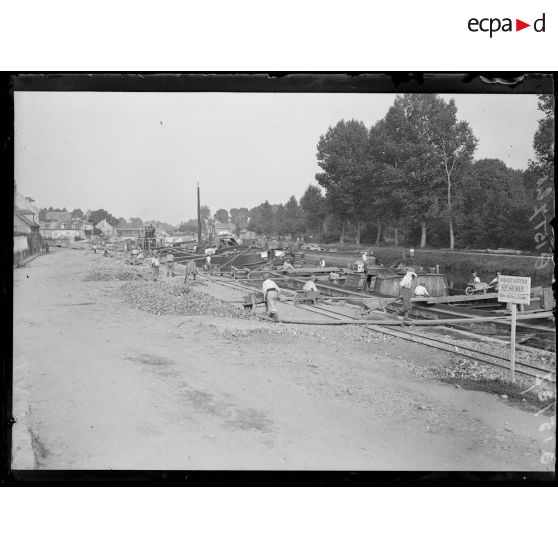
(72,229)
(27,238)
(106,228)
(26,204)
(58,216)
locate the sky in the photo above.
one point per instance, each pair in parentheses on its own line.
(141,154)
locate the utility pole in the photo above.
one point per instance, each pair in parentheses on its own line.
(199,217)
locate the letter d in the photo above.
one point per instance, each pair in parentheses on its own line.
(535,25)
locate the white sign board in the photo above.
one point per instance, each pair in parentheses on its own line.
(514,289)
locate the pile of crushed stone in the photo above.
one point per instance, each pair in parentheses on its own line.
(113,275)
(173,298)
(107,269)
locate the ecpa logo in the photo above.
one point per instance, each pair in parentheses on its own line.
(494,24)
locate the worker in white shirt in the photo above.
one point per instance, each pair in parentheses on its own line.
(364,257)
(334,277)
(310,290)
(476,278)
(310,285)
(134,253)
(406,288)
(322,263)
(155,263)
(207,264)
(495,283)
(140,257)
(421,290)
(287,265)
(270,292)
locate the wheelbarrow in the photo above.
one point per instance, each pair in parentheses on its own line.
(369,306)
(307,297)
(476,288)
(250,301)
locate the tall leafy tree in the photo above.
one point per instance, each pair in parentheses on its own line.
(262,219)
(239,218)
(453,144)
(222,215)
(343,157)
(294,217)
(313,205)
(490,207)
(437,150)
(77,214)
(543,142)
(409,188)
(541,177)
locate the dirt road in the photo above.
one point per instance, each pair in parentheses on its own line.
(100,384)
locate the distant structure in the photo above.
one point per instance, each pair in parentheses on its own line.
(58,216)
(105,227)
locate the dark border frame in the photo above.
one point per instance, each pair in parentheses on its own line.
(291,82)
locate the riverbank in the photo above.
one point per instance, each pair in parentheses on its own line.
(458,262)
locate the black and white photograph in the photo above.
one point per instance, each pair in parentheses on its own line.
(248,280)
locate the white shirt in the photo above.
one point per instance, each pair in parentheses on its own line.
(322,263)
(421,291)
(208,260)
(408,279)
(155,262)
(309,286)
(364,258)
(287,265)
(269,284)
(476,280)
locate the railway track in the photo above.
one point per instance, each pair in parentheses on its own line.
(453,347)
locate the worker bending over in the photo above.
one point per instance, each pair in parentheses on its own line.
(271,293)
(495,283)
(405,289)
(310,290)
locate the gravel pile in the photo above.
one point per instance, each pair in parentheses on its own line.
(173,298)
(113,275)
(108,269)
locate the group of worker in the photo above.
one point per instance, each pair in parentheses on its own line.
(156,264)
(495,283)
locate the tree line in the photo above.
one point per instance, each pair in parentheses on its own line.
(411,177)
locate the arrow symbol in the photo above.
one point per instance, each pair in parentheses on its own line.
(519,25)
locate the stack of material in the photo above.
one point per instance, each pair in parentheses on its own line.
(173,298)
(105,274)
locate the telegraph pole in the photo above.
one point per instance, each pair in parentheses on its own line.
(199,217)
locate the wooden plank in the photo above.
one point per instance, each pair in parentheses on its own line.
(454,298)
